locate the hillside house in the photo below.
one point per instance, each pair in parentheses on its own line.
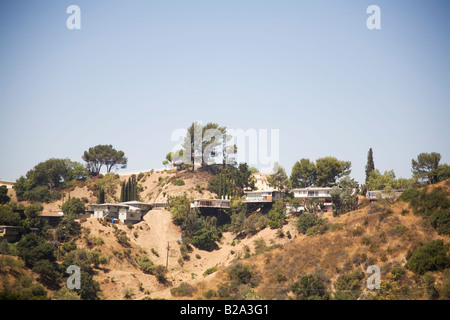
(110,210)
(126,212)
(263,196)
(52,218)
(9,233)
(211,203)
(8,184)
(383,194)
(316,193)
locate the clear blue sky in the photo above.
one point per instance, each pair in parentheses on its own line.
(138,70)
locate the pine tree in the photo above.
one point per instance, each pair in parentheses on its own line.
(370,166)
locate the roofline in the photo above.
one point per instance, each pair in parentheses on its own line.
(134,202)
(206,199)
(112,204)
(312,188)
(259,191)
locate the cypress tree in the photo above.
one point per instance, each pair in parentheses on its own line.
(370,166)
(122,192)
(101,196)
(127,190)
(133,188)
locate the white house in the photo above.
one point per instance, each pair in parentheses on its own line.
(111,210)
(383,194)
(8,184)
(126,212)
(263,196)
(322,194)
(211,203)
(143,206)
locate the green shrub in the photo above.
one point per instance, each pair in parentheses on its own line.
(205,239)
(241,274)
(155,252)
(434,206)
(32,248)
(430,257)
(210,271)
(310,287)
(178,182)
(276,215)
(317,229)
(122,237)
(306,221)
(397,272)
(409,194)
(446,284)
(209,294)
(183,290)
(440,220)
(184,250)
(348,286)
(146,265)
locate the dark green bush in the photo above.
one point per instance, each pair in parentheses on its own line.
(409,194)
(33,248)
(440,220)
(430,257)
(241,274)
(205,239)
(348,286)
(306,221)
(310,287)
(434,206)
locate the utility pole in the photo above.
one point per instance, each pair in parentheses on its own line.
(167,259)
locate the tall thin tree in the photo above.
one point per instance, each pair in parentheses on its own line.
(370,166)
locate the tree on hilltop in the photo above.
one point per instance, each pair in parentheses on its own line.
(104,155)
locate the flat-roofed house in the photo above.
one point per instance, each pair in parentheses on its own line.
(143,206)
(318,193)
(126,212)
(53,218)
(136,210)
(383,194)
(110,210)
(263,196)
(8,184)
(211,203)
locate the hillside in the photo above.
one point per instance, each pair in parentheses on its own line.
(384,236)
(338,253)
(157,186)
